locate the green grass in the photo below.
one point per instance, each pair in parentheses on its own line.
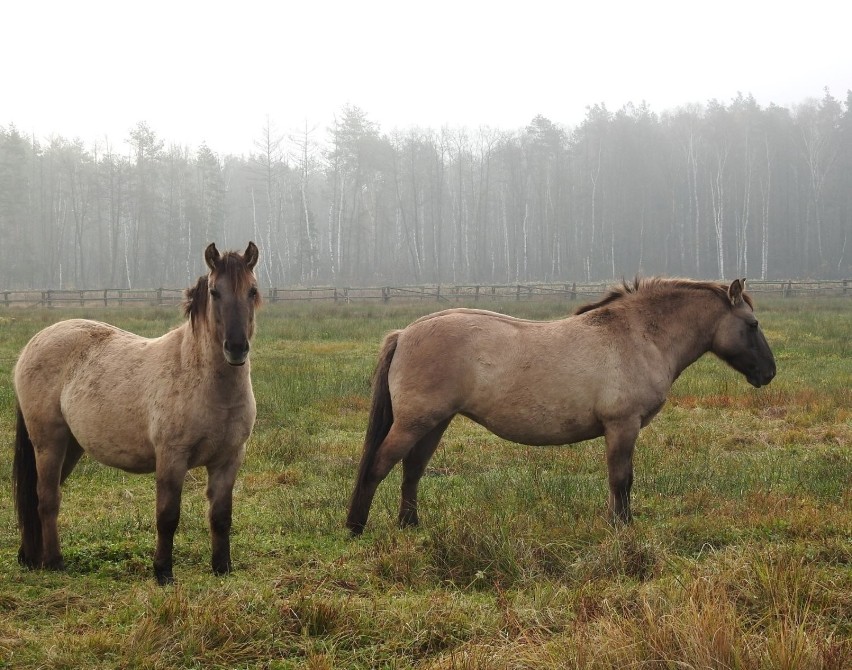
(740,556)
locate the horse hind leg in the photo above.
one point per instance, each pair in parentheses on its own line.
(50,459)
(40,455)
(413,466)
(396,446)
(72,456)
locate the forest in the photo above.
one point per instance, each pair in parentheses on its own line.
(713,190)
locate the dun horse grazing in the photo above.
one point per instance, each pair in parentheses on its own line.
(606,370)
(161,405)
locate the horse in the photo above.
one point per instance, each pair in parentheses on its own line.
(162,405)
(604,371)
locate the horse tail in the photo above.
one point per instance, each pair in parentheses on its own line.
(24,482)
(381,414)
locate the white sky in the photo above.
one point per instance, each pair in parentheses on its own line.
(212,71)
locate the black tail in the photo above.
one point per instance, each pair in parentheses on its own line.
(24,481)
(381,417)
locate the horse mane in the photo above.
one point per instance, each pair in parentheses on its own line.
(195,301)
(230,265)
(658,284)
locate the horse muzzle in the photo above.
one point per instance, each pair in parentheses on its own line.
(758,378)
(236,354)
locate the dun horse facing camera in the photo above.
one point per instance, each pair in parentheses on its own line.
(606,370)
(161,405)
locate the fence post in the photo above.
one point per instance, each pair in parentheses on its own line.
(49,301)
(159,297)
(845,286)
(385,294)
(6,298)
(518,294)
(438,293)
(476,298)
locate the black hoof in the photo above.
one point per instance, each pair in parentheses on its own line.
(222,570)
(355,531)
(57,565)
(27,561)
(164,577)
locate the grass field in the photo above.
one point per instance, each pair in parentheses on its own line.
(740,555)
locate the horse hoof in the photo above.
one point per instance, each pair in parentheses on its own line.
(164,577)
(355,528)
(56,565)
(221,571)
(26,561)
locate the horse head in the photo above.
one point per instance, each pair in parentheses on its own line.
(740,342)
(231,299)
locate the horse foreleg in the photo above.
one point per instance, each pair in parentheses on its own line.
(169,487)
(393,448)
(413,466)
(620,441)
(220,490)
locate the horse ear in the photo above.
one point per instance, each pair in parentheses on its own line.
(211,256)
(251,255)
(735,292)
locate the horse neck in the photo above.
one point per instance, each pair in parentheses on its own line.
(683,328)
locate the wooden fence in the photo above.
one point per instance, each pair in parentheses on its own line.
(466,293)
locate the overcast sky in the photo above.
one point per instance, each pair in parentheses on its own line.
(212,71)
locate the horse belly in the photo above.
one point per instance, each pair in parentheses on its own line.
(539,426)
(537,404)
(112,435)
(117,449)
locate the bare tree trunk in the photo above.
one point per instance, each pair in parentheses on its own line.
(717,187)
(742,233)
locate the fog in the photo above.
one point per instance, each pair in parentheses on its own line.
(716,190)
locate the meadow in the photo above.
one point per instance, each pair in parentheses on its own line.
(740,555)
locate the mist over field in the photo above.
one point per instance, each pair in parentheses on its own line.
(716,190)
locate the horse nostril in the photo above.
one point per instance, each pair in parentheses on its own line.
(237,348)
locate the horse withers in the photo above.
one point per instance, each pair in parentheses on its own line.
(162,405)
(606,370)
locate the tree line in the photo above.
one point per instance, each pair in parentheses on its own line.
(710,190)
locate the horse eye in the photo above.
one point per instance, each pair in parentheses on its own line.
(253,292)
(753,324)
(214,293)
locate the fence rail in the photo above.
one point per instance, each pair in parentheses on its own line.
(436,292)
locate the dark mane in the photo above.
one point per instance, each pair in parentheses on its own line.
(649,284)
(232,267)
(195,301)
